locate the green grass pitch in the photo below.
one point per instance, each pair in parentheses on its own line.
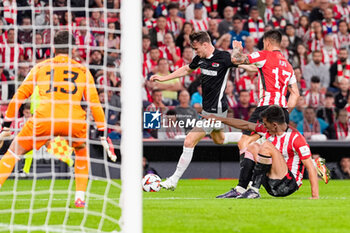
(193,208)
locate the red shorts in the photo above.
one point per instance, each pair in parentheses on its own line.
(35,136)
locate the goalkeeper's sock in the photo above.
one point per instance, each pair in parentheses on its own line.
(232,137)
(7,164)
(183,163)
(81,169)
(246,172)
(80,195)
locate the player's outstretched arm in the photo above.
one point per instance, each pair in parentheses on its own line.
(237,56)
(293,97)
(311,170)
(183,71)
(236,123)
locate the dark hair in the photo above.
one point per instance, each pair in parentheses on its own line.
(146,37)
(315,79)
(173,6)
(200,37)
(276,5)
(253,8)
(343,48)
(237,17)
(147,7)
(316,51)
(62,38)
(171,112)
(162,59)
(310,107)
(273,35)
(156,90)
(243,90)
(329,95)
(273,113)
(153,47)
(289,25)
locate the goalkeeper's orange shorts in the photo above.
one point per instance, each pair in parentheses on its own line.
(30,137)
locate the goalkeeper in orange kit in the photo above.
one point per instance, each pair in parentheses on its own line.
(63,83)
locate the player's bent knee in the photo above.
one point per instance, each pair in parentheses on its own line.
(253,148)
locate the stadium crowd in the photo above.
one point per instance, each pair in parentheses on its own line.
(316,41)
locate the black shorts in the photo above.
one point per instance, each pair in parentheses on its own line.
(255,117)
(281,188)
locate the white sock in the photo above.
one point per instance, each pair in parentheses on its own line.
(232,137)
(240,189)
(80,194)
(183,163)
(255,189)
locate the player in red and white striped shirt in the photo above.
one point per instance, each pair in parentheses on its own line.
(276,161)
(199,23)
(10,11)
(276,76)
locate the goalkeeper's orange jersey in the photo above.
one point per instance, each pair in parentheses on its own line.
(63,85)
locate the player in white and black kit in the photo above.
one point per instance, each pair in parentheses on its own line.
(276,77)
(215,66)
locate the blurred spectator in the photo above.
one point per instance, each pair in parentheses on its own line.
(277,20)
(255,25)
(329,25)
(173,130)
(146,47)
(25,34)
(248,82)
(296,116)
(341,99)
(160,8)
(313,96)
(97,25)
(266,10)
(186,59)
(343,36)
(148,21)
(249,45)
(311,125)
(190,11)
(231,99)
(147,169)
(150,65)
(339,69)
(112,116)
(317,13)
(11,53)
(316,68)
(96,63)
(197,99)
(7,88)
(56,27)
(241,111)
(237,33)
(315,37)
(84,39)
(301,58)
(199,22)
(213,31)
(170,50)
(158,32)
(286,52)
(184,111)
(343,171)
(342,10)
(226,24)
(294,40)
(224,43)
(170,87)
(183,40)
(342,126)
(115,131)
(327,112)
(287,10)
(174,22)
(113,40)
(300,80)
(10,11)
(303,29)
(23,70)
(40,53)
(329,53)
(157,104)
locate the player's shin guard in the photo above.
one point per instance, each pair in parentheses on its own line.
(81,169)
(183,163)
(262,166)
(7,164)
(247,164)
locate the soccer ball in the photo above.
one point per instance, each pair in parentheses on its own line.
(151,183)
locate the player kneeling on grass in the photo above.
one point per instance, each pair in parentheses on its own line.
(62,84)
(276,160)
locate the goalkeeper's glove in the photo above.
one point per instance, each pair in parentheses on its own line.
(108,146)
(5,132)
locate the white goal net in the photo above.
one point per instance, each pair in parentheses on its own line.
(40,195)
